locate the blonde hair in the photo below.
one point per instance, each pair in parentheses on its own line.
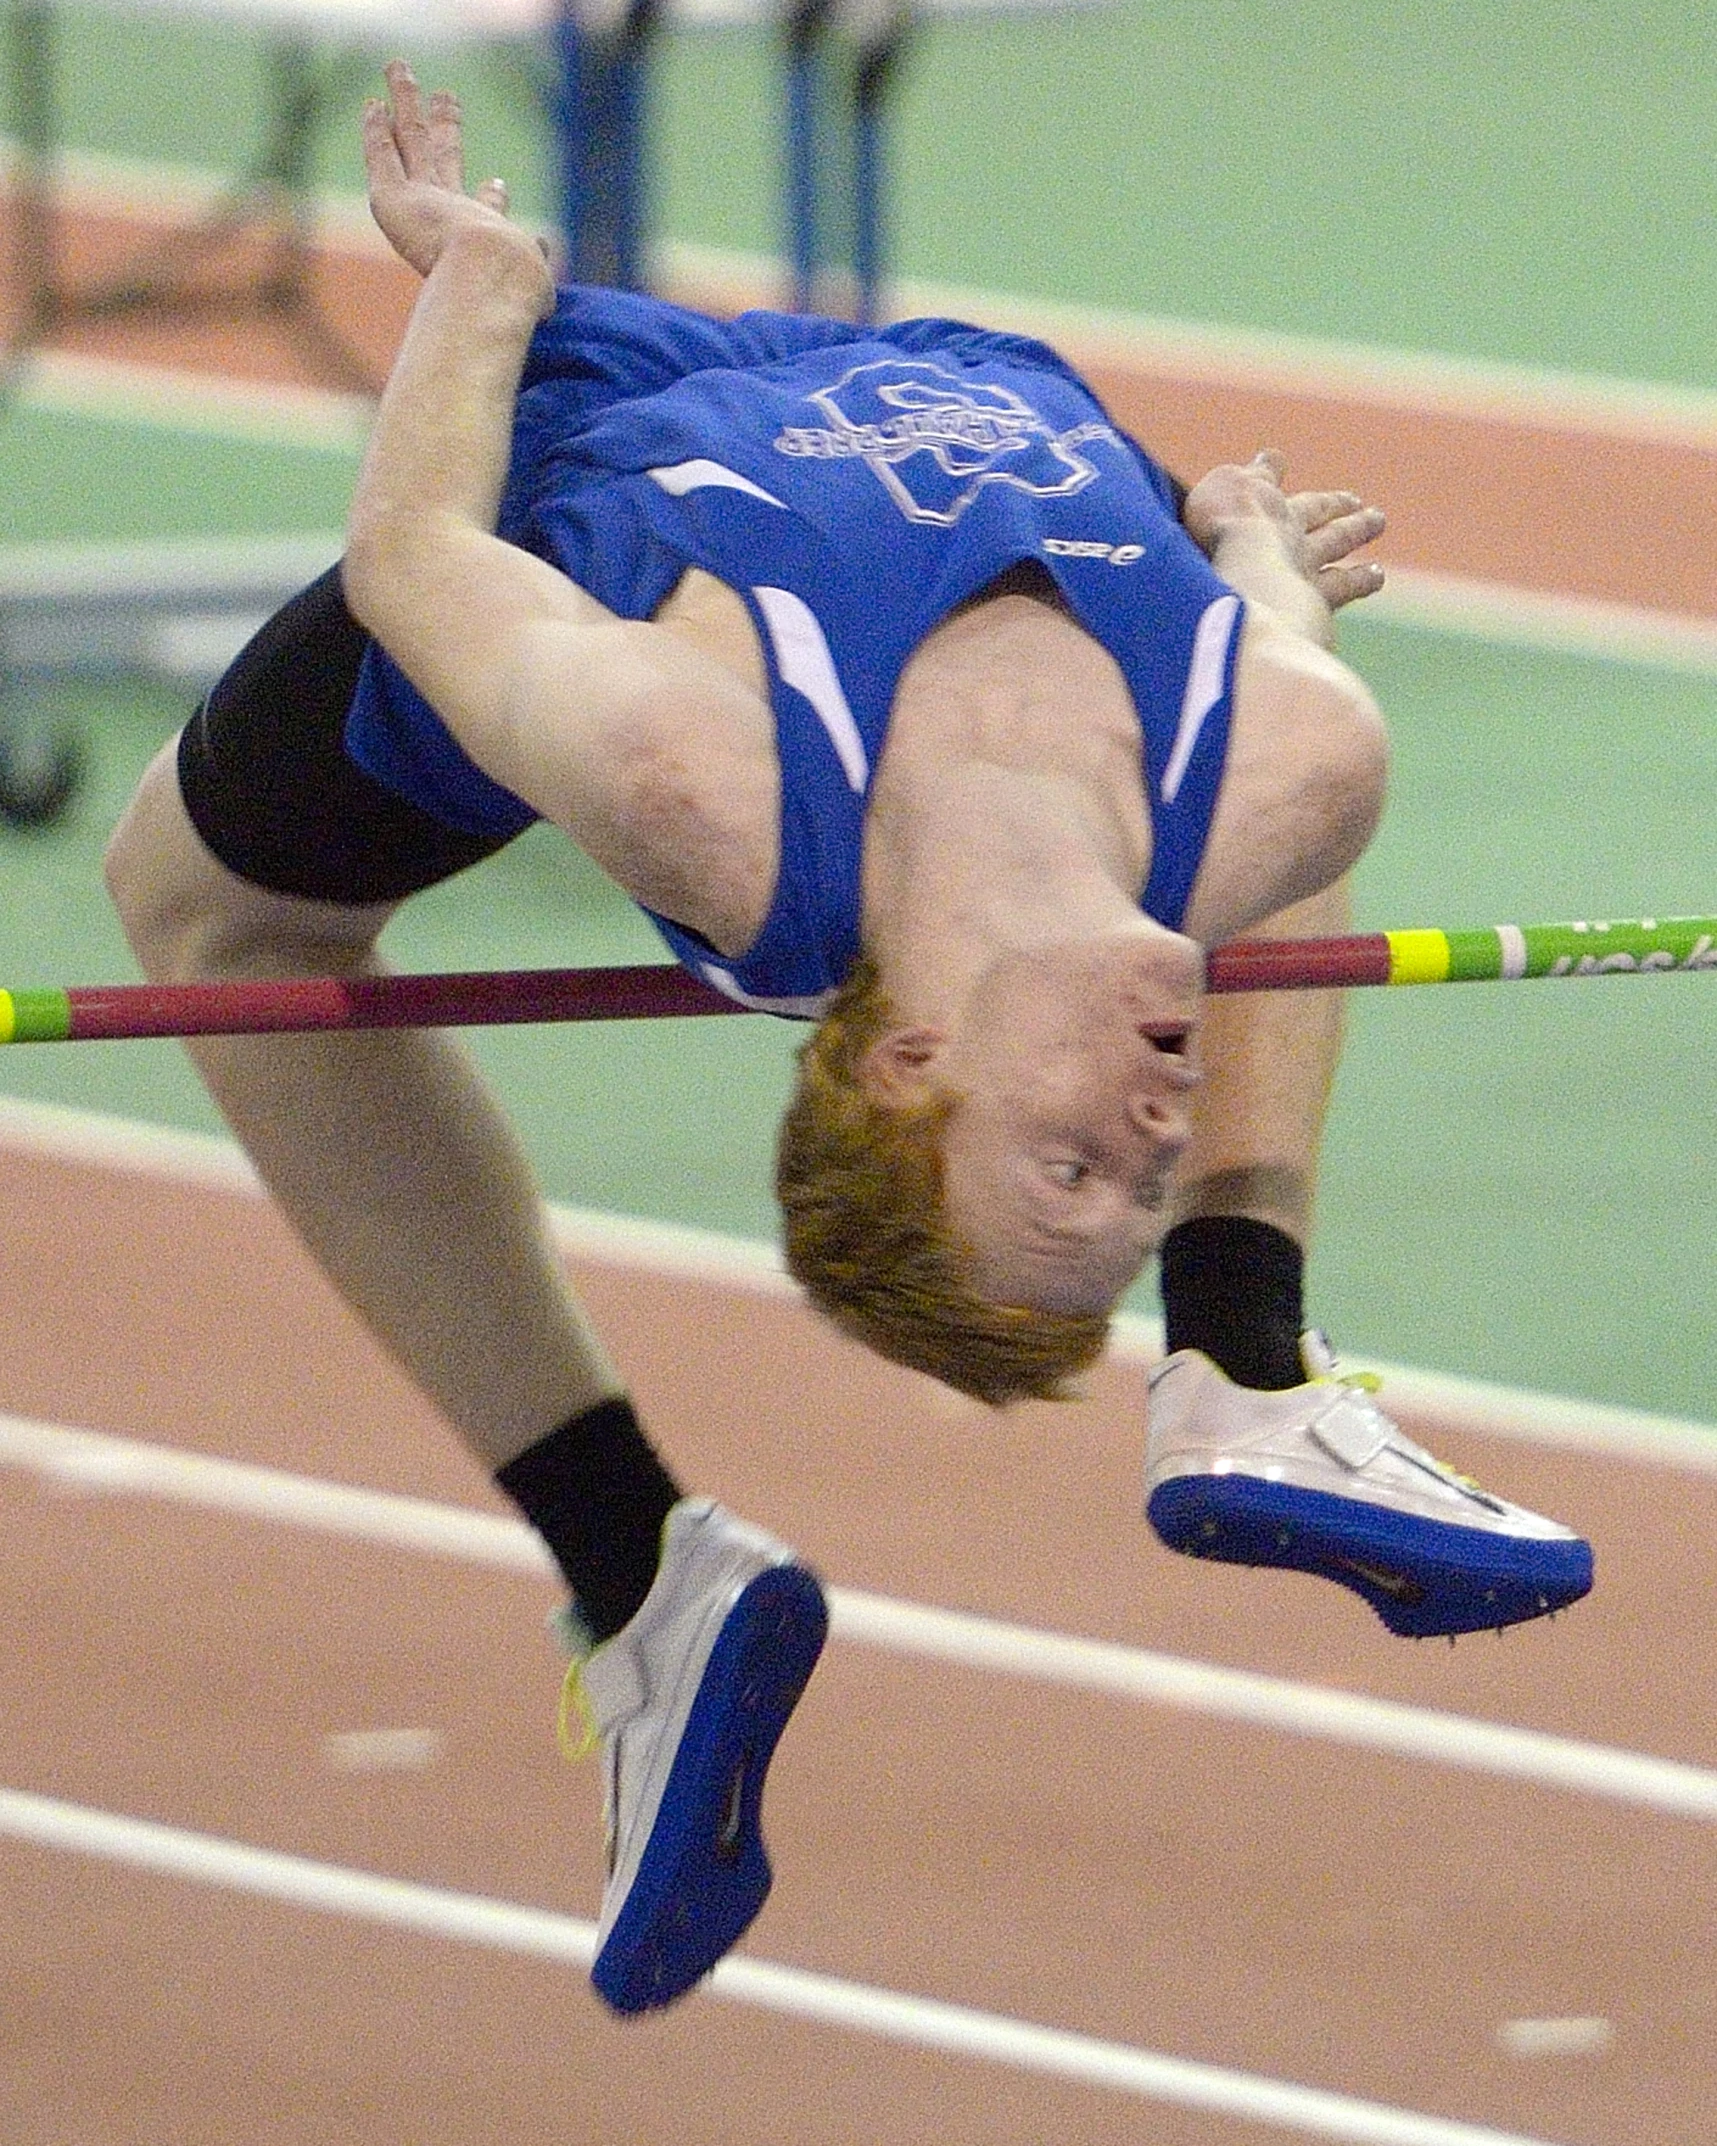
(860,1186)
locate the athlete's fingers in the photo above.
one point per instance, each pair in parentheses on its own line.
(1339,585)
(381,149)
(410,121)
(445,140)
(1334,539)
(493,195)
(1313,509)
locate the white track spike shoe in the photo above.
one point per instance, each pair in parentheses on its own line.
(1318,1479)
(687,1702)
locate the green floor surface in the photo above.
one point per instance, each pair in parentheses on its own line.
(68,476)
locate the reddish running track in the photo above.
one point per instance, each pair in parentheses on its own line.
(1284,1905)
(1526,490)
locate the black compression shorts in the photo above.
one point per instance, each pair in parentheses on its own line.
(268,785)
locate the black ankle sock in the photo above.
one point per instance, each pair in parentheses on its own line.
(596,1493)
(1234,1288)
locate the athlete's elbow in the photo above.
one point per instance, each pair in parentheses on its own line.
(1357,768)
(381,572)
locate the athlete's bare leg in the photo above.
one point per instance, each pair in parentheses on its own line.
(383,1149)
(1269,1064)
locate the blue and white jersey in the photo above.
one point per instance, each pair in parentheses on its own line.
(853,487)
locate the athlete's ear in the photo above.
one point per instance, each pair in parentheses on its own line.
(897,1068)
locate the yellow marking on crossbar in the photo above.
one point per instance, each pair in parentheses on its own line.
(1418,957)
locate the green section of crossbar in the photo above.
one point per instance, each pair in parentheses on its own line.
(1647,946)
(1508,953)
(35,1017)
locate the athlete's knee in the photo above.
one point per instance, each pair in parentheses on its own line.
(185,914)
(146,860)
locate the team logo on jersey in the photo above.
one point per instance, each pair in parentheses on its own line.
(935,438)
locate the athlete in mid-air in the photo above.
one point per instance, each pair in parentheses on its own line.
(911,697)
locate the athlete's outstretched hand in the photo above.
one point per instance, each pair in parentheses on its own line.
(414,153)
(1318,531)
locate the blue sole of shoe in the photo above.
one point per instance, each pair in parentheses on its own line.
(1425,1578)
(704,1873)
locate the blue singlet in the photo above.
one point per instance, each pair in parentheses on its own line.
(853,486)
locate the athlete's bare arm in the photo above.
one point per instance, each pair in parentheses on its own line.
(1307,756)
(649,743)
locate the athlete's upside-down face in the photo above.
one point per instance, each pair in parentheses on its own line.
(1073,1068)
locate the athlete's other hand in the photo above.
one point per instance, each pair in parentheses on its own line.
(414,154)
(1317,531)
(1335,525)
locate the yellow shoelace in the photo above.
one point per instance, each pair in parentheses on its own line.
(1361,1381)
(575,1729)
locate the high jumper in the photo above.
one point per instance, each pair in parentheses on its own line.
(908,696)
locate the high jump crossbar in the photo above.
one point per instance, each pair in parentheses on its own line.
(1503,953)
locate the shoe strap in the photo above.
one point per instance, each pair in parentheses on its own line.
(1350,1429)
(603,1685)
(1339,1432)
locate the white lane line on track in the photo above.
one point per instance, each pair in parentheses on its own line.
(1278,361)
(1587,627)
(96,1461)
(93,1139)
(118,391)
(925,2023)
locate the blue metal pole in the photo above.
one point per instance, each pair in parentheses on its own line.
(629,96)
(878,62)
(805,26)
(571,130)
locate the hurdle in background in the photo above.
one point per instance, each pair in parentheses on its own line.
(593,81)
(841,63)
(81,609)
(839,60)
(177,609)
(315,54)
